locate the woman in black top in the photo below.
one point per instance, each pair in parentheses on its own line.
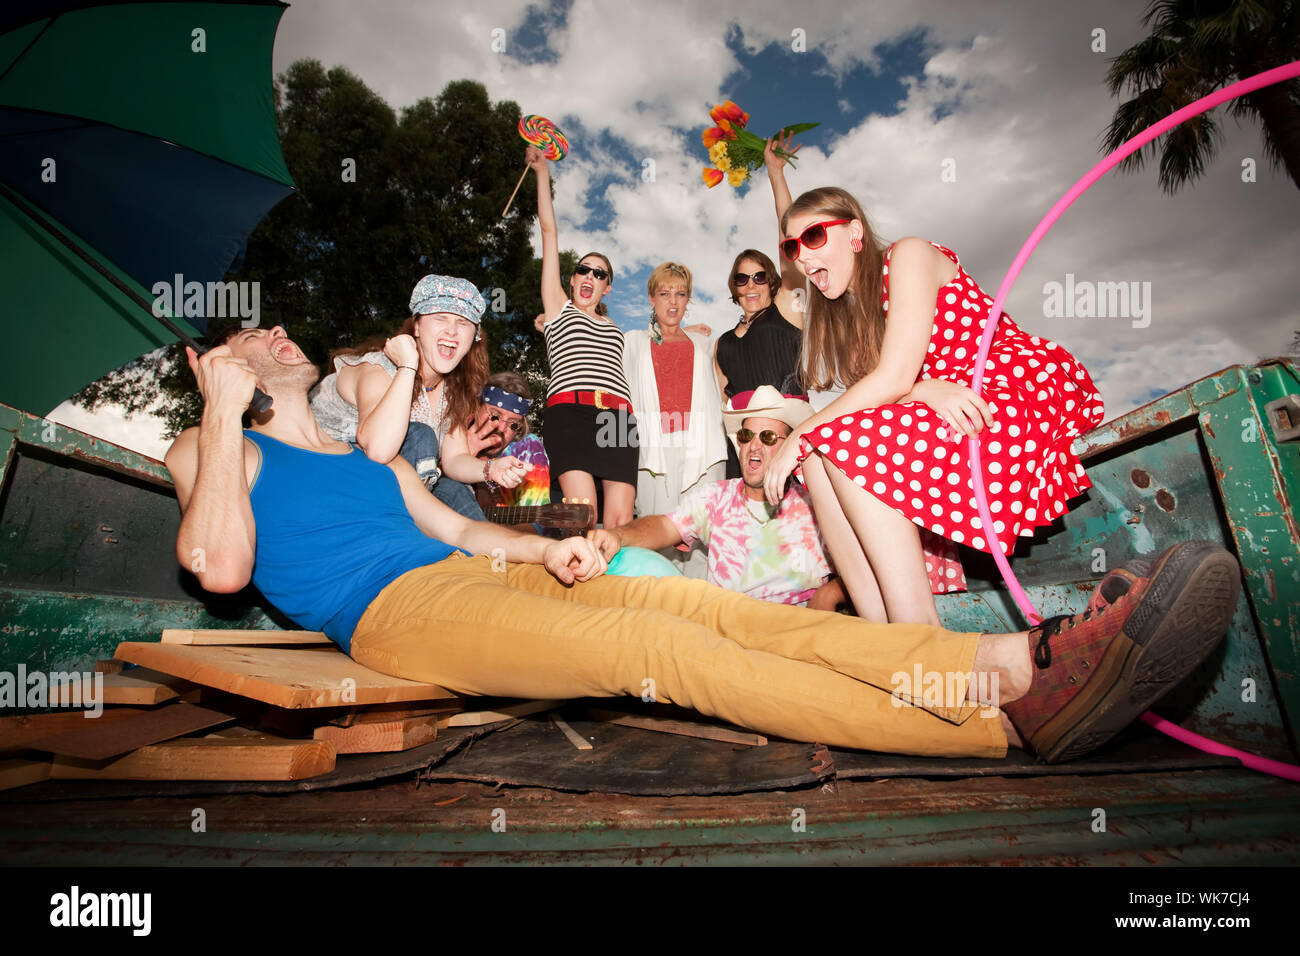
(763,348)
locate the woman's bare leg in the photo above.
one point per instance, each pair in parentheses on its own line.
(577,487)
(893,547)
(619,498)
(846,551)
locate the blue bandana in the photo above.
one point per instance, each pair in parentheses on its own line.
(491,395)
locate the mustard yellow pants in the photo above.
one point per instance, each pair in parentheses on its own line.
(776,669)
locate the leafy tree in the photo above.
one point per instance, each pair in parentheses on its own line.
(337,260)
(1196,47)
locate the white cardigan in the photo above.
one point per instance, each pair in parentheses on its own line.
(703,442)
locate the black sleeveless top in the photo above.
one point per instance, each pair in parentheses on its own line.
(768,354)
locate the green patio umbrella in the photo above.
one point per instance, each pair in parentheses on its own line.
(138,146)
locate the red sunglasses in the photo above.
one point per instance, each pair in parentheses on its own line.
(814,237)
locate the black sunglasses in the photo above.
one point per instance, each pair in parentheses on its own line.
(600,274)
(767,436)
(759,277)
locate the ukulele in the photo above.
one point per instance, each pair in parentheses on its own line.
(570,518)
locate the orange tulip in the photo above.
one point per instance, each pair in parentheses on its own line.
(730,112)
(712,176)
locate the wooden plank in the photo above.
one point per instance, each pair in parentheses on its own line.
(96,741)
(227,755)
(218,637)
(382,736)
(378,713)
(16,732)
(138,687)
(684,728)
(108,667)
(291,677)
(20,771)
(476,718)
(575,738)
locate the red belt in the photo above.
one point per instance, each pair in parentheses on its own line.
(599,398)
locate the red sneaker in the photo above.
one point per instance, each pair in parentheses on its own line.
(1098,670)
(1117,583)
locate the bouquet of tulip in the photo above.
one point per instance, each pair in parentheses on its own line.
(734,151)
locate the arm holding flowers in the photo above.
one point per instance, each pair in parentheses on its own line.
(775,150)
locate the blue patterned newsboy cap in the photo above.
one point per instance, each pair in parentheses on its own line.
(448,294)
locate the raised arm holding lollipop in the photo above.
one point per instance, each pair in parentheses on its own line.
(591,432)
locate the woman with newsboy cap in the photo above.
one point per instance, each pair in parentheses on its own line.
(414,394)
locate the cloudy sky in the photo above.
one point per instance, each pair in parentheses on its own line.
(1008,98)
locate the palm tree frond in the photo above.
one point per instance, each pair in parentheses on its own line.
(1141,65)
(1187,151)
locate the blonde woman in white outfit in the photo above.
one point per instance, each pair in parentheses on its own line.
(670,373)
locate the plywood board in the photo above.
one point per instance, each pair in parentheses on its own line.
(368,737)
(291,677)
(19,772)
(232,637)
(17,732)
(378,713)
(138,687)
(221,756)
(684,728)
(94,740)
(476,718)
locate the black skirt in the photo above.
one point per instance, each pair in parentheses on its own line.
(600,441)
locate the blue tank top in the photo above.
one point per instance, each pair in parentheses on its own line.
(332,532)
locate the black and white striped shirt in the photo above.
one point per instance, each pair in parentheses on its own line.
(584,353)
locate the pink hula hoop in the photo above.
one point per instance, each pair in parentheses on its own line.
(1267,78)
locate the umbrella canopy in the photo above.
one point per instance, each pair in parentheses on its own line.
(146,133)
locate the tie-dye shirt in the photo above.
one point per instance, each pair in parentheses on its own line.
(777,557)
(535,489)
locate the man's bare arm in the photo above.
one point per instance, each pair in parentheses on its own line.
(217,539)
(653,531)
(477,537)
(569,560)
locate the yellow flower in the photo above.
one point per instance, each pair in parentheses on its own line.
(737,176)
(718,156)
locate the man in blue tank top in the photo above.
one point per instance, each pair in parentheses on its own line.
(410,588)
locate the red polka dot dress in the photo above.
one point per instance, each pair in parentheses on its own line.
(1041,398)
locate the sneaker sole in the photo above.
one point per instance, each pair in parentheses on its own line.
(1179,621)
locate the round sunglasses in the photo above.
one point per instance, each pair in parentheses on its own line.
(759,278)
(600,274)
(814,237)
(515,426)
(766,436)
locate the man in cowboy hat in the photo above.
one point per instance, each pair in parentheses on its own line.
(774,554)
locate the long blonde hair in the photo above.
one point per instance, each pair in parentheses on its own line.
(842,337)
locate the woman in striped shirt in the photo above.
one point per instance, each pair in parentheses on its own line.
(590,429)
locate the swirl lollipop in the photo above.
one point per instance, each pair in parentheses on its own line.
(540,132)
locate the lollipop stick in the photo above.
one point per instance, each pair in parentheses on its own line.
(513,194)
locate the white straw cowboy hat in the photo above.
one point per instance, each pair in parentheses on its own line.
(764,402)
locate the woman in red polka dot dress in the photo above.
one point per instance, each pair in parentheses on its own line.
(900,327)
